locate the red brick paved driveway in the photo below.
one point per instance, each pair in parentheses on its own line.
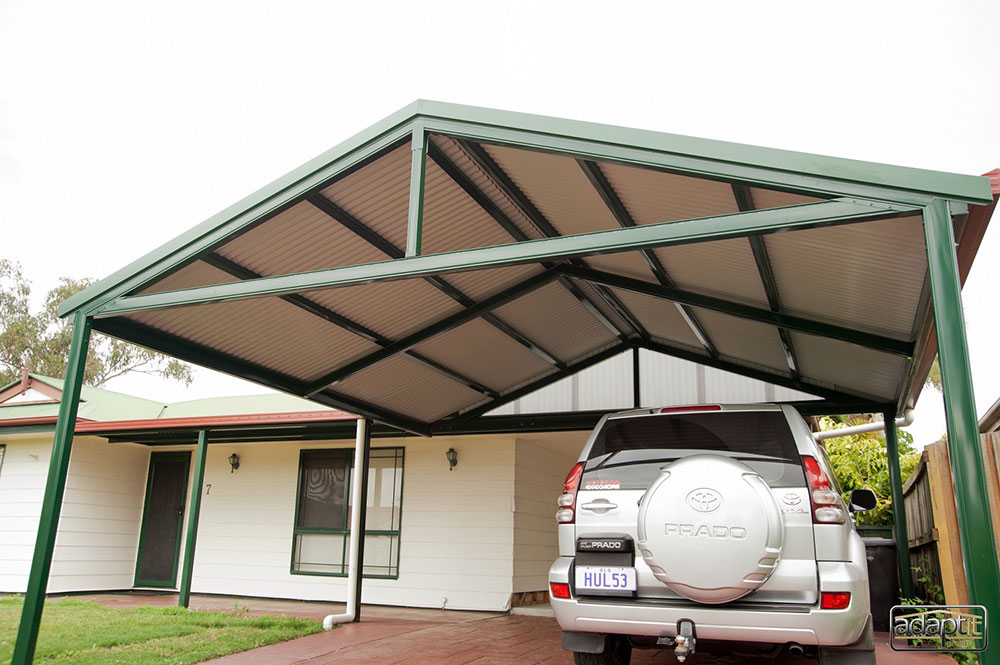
(388,636)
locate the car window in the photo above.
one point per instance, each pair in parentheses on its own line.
(628,453)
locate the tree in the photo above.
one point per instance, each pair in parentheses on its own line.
(860,462)
(42,339)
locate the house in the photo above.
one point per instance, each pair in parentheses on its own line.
(273,515)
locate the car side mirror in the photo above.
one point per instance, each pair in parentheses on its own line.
(863,500)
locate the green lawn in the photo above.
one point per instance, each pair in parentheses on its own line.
(84,633)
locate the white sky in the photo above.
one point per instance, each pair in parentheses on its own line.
(123,124)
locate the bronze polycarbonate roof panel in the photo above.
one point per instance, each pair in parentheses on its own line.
(268,332)
(660,318)
(865,276)
(552,317)
(494,178)
(849,367)
(407,387)
(505,365)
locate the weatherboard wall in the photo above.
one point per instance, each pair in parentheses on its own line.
(99,525)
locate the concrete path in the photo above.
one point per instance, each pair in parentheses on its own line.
(404,636)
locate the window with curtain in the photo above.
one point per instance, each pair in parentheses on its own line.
(323,513)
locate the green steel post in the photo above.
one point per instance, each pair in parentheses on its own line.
(898,506)
(415,218)
(55,486)
(367,442)
(194,512)
(636,383)
(971,498)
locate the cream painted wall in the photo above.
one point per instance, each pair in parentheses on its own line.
(541,464)
(456,537)
(99,523)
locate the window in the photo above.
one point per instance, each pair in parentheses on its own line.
(323,513)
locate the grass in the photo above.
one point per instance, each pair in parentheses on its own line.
(85,633)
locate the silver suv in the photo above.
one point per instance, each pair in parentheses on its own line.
(709,523)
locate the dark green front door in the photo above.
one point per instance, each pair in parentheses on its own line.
(162,518)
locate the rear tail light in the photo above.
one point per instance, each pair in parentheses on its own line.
(827,507)
(559,589)
(834,600)
(567,500)
(683,409)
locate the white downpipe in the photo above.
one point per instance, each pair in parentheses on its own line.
(907,419)
(353,569)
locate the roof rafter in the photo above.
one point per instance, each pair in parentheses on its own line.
(465,183)
(438,327)
(314,308)
(744,201)
(740,310)
(607,192)
(503,181)
(387,247)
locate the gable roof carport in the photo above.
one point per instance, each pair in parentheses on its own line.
(450,259)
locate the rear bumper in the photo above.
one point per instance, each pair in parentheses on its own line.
(805,624)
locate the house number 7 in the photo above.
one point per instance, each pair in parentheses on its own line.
(208,488)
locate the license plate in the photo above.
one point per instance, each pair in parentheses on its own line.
(605,578)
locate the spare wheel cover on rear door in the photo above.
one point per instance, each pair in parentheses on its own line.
(709,528)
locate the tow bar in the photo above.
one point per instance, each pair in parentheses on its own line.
(684,642)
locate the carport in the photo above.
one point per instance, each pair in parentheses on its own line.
(450,259)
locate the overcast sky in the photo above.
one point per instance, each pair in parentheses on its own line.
(123,124)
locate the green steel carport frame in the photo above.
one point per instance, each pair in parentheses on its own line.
(850,192)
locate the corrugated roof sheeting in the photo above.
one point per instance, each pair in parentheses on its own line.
(630,264)
(485,354)
(770,198)
(407,387)
(659,317)
(266,331)
(191,275)
(553,318)
(392,309)
(452,219)
(867,276)
(743,340)
(558,188)
(653,196)
(847,366)
(480,284)
(378,195)
(300,239)
(721,268)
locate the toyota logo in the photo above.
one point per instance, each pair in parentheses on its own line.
(704,500)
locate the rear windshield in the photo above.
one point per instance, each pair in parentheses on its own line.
(628,453)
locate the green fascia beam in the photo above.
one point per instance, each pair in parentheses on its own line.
(221,362)
(415,214)
(444,325)
(706,158)
(534,251)
(194,514)
(749,312)
(830,394)
(898,505)
(979,549)
(55,487)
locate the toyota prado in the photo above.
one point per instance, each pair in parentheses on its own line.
(711,523)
